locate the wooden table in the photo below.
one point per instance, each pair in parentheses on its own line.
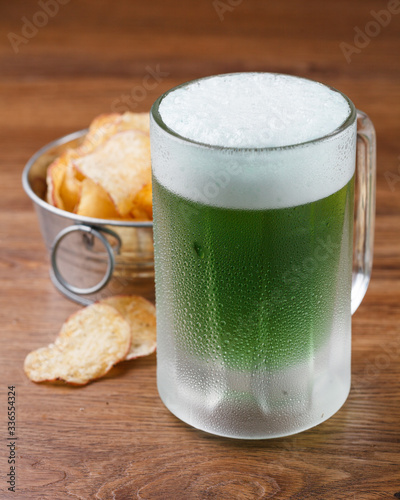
(113,439)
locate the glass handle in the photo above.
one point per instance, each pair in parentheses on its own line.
(364,209)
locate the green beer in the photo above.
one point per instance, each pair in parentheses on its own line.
(253,193)
(251,289)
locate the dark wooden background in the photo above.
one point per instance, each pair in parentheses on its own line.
(113,439)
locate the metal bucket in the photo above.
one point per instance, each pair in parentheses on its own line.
(90,258)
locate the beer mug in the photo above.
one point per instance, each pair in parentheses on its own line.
(255,180)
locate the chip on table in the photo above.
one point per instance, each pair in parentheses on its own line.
(94,339)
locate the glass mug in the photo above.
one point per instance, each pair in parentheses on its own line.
(254,302)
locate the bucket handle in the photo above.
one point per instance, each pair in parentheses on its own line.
(74,292)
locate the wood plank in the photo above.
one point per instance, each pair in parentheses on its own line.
(114,438)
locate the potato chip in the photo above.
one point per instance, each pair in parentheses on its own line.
(105,126)
(143,204)
(117,167)
(95,202)
(137,121)
(63,182)
(54,179)
(89,344)
(71,187)
(100,130)
(141,316)
(121,166)
(103,121)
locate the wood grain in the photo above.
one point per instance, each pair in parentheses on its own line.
(113,439)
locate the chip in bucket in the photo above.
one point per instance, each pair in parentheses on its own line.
(121,166)
(109,175)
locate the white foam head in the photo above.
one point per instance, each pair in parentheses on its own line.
(251,134)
